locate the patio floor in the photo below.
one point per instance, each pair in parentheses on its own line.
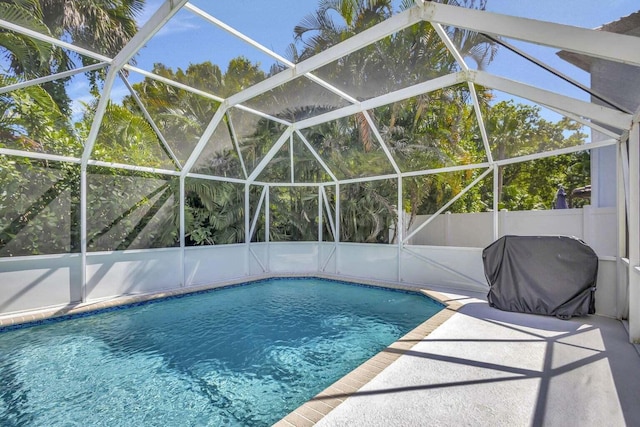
(484,366)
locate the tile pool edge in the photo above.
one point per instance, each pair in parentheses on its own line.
(47,314)
(324,402)
(50,314)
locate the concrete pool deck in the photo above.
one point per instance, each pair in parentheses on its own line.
(483,366)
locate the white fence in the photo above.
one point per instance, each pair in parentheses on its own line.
(595,226)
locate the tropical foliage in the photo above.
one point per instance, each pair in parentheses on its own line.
(99,25)
(162,124)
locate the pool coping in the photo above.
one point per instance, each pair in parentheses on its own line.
(312,411)
(324,402)
(28,318)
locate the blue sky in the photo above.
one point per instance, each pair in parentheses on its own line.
(189,39)
(580,13)
(271,23)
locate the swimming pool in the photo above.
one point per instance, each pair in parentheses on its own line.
(244,355)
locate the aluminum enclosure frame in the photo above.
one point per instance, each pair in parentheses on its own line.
(609,46)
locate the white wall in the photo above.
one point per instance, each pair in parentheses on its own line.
(111,274)
(293,257)
(603,171)
(367,261)
(29,283)
(222,262)
(459,268)
(258,258)
(284,257)
(606,288)
(600,230)
(621,83)
(327,258)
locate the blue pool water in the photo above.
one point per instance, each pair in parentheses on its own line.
(245,356)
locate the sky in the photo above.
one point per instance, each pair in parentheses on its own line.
(187,38)
(271,23)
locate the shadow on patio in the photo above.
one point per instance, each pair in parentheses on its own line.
(488,367)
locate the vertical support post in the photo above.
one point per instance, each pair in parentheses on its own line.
(337,214)
(83,232)
(182,233)
(247,229)
(634,231)
(337,224)
(319,228)
(621,274)
(400,227)
(587,224)
(504,229)
(292,165)
(447,228)
(86,154)
(267,225)
(496,205)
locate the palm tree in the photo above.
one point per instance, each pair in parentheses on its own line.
(25,55)
(104,26)
(319,31)
(214,212)
(424,132)
(37,195)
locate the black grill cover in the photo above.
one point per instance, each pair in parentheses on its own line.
(553,275)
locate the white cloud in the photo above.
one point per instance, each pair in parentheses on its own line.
(78,86)
(180,23)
